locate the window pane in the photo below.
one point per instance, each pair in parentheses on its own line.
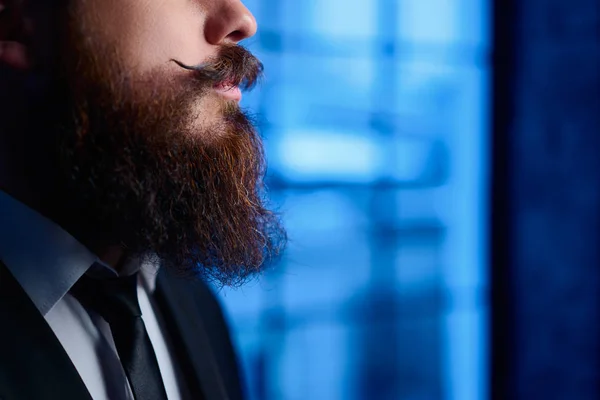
(374,114)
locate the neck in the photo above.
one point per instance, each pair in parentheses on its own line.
(113,255)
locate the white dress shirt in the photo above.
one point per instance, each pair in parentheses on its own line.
(47,262)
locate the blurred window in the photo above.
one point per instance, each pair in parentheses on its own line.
(374,114)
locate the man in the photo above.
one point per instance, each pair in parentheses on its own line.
(127,171)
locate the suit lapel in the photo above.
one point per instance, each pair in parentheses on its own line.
(33,363)
(187,327)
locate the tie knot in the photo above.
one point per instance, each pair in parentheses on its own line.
(113,299)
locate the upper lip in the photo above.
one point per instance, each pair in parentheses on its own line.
(226,84)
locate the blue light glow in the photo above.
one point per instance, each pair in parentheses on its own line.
(374,114)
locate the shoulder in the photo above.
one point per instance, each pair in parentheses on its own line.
(198,309)
(196,291)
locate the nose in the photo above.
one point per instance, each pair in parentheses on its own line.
(229,21)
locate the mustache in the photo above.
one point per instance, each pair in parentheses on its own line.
(234,65)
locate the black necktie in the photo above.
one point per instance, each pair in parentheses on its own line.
(116,301)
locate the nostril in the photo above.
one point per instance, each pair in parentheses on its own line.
(236,36)
(244,25)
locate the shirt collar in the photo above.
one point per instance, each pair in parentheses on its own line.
(44,258)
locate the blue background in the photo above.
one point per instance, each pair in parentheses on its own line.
(375,116)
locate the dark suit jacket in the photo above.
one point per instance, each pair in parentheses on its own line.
(34,365)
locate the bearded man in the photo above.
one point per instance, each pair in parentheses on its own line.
(129,175)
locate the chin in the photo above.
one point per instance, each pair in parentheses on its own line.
(210,110)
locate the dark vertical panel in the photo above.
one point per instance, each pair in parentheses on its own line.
(547,183)
(502,334)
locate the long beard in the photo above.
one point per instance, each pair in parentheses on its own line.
(128,164)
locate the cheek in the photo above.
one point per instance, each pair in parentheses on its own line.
(149,33)
(168,34)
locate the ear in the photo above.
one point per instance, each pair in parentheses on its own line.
(15,29)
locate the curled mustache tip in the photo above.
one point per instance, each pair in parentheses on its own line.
(189,67)
(182,65)
(235,66)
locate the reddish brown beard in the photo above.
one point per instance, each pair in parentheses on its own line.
(131,170)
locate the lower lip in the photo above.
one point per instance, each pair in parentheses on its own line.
(229,92)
